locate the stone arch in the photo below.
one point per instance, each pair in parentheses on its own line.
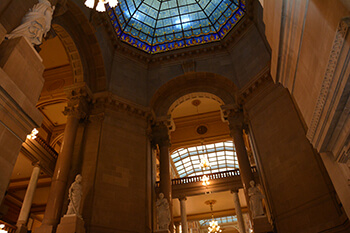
(217,86)
(82,47)
(72,53)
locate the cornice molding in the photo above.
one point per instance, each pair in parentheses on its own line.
(108,100)
(337,46)
(246,92)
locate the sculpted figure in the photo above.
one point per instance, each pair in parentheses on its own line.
(35,23)
(163,212)
(74,196)
(255,200)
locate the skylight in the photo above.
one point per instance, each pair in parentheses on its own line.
(222,220)
(156,26)
(221,156)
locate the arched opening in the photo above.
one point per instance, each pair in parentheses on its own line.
(193,103)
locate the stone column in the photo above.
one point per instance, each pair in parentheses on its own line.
(76,110)
(238,211)
(161,138)
(236,123)
(183,214)
(28,199)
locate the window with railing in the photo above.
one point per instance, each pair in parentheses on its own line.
(221,157)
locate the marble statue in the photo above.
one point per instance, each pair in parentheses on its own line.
(255,200)
(74,196)
(163,212)
(35,23)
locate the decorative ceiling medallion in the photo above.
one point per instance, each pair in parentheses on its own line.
(156,26)
(202,129)
(196,102)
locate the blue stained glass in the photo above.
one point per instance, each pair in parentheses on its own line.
(162,25)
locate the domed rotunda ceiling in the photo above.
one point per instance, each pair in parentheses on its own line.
(156,26)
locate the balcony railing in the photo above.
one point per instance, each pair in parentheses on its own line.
(211,176)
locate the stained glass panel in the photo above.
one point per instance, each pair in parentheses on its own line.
(161,25)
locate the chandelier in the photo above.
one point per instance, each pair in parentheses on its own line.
(100,7)
(205,180)
(213,225)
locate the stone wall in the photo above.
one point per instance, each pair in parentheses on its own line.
(298,188)
(116,173)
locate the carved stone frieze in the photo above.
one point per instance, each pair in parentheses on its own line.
(337,46)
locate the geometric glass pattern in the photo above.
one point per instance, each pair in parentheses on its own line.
(228,219)
(156,26)
(221,156)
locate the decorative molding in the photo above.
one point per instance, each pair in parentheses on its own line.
(114,102)
(337,46)
(246,92)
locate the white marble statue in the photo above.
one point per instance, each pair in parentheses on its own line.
(255,200)
(74,196)
(163,212)
(35,23)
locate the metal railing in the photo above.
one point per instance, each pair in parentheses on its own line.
(211,176)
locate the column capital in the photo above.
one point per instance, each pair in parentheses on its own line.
(160,134)
(234,115)
(36,164)
(79,96)
(182,198)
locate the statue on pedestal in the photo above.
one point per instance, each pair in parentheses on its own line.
(74,196)
(163,212)
(35,23)
(255,200)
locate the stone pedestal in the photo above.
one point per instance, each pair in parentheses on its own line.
(71,224)
(261,225)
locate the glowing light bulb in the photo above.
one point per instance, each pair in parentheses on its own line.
(90,3)
(113,3)
(2,226)
(33,134)
(100,6)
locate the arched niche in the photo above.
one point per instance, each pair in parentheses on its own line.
(168,96)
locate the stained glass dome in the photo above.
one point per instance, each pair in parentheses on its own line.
(156,26)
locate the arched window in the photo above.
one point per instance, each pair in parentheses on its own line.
(221,156)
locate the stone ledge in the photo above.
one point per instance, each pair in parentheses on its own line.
(2,33)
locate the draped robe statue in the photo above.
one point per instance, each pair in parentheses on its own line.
(255,200)
(75,193)
(35,23)
(163,212)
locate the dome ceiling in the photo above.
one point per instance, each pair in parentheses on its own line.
(156,26)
